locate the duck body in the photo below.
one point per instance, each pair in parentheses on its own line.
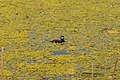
(58,41)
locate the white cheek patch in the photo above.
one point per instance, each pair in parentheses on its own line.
(62,37)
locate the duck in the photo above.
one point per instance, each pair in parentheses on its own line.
(58,41)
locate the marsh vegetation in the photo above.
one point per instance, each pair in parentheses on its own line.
(92,34)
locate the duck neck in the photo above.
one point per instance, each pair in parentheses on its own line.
(62,40)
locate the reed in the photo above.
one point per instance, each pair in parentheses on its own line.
(2,63)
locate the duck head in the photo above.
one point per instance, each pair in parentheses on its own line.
(62,38)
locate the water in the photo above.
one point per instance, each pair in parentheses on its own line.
(64,52)
(86,50)
(32,61)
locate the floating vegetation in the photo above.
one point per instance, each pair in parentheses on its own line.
(91,29)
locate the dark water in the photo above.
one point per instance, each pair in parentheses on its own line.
(61,77)
(64,52)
